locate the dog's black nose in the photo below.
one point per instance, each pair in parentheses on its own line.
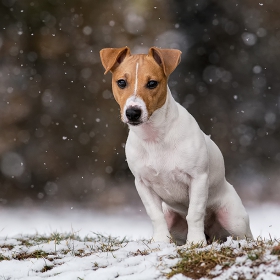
(133,114)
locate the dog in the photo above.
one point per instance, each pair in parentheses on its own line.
(179,171)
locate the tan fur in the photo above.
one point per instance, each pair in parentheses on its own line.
(157,65)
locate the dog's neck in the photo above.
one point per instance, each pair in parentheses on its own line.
(160,122)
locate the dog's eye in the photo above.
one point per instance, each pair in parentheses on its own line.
(121,83)
(152,84)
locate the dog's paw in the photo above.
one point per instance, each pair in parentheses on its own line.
(161,238)
(197,239)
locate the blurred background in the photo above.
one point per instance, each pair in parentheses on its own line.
(61,138)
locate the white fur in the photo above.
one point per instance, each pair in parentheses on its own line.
(178,168)
(135,101)
(136,79)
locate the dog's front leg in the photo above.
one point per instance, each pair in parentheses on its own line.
(153,206)
(198,194)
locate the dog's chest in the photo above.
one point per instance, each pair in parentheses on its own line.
(163,170)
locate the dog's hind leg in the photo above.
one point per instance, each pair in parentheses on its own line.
(177,225)
(232,215)
(214,231)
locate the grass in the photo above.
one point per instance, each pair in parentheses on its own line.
(197,262)
(276,251)
(32,255)
(54,247)
(97,244)
(194,262)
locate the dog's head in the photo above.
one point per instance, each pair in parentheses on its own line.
(139,81)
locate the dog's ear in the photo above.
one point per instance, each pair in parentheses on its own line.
(168,59)
(112,57)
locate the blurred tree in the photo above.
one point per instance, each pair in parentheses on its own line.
(61,135)
(229,81)
(62,132)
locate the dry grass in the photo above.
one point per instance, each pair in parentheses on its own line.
(194,262)
(32,255)
(59,246)
(276,250)
(197,262)
(97,244)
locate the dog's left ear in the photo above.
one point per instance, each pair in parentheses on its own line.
(168,59)
(112,57)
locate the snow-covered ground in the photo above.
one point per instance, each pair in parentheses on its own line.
(73,259)
(127,222)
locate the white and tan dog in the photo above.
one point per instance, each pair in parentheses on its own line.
(179,171)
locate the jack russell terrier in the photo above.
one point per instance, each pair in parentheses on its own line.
(179,171)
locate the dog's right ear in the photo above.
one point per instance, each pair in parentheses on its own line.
(112,57)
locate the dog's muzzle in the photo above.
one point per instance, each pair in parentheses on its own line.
(133,115)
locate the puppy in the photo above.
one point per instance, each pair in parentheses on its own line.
(179,171)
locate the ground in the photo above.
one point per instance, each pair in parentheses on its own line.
(34,246)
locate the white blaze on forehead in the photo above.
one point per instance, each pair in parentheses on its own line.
(136,80)
(135,101)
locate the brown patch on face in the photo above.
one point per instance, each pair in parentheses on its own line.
(148,70)
(136,71)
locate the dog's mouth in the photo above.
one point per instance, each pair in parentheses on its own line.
(135,123)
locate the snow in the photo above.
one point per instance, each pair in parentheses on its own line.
(123,223)
(134,259)
(265,220)
(123,263)
(127,222)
